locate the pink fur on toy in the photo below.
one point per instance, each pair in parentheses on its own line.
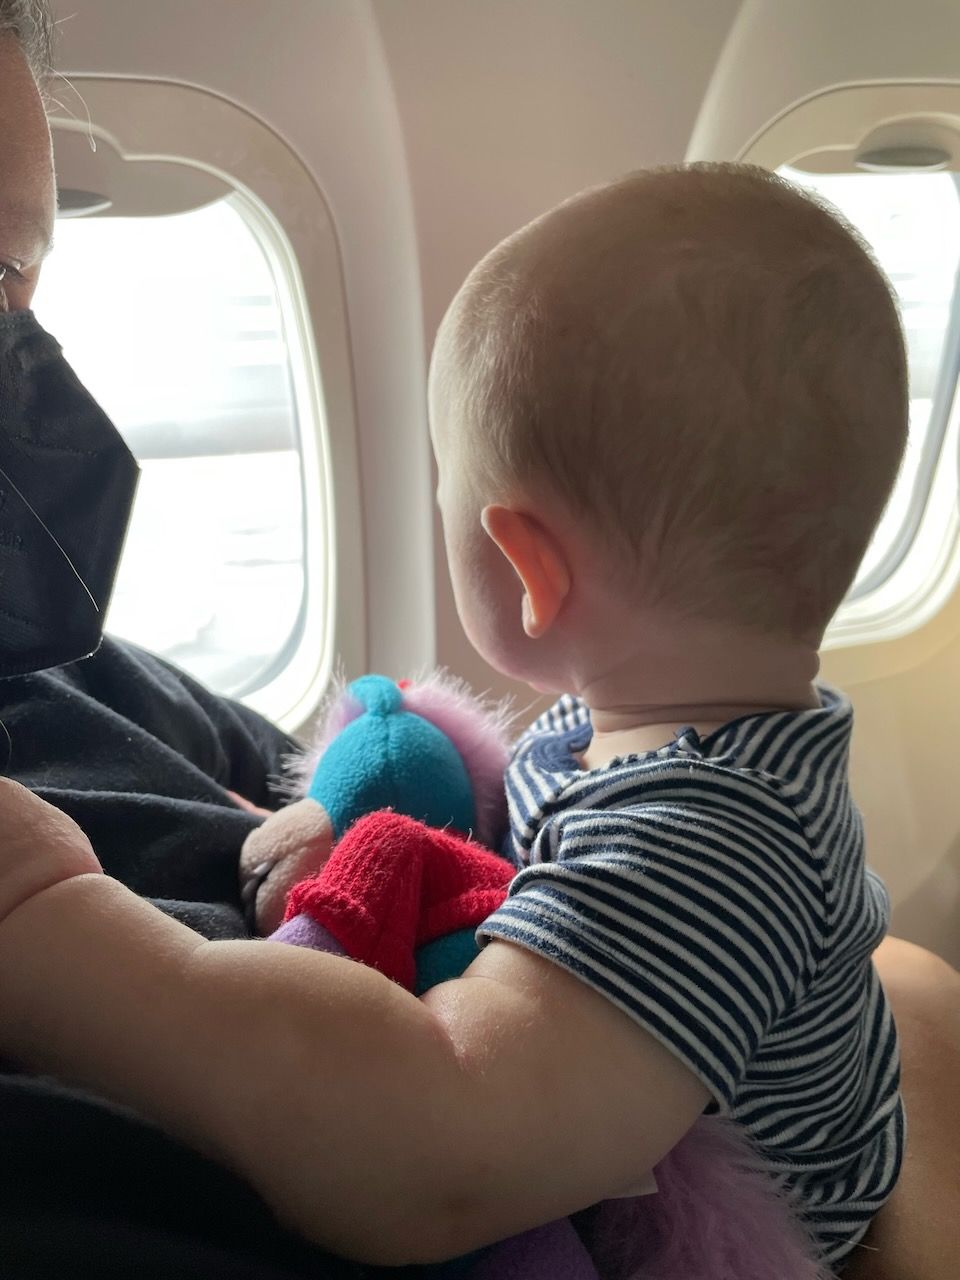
(716,1216)
(480,733)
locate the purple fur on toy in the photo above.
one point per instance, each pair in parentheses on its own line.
(553,1252)
(337,711)
(480,733)
(716,1216)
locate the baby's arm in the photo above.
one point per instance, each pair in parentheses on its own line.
(387,1128)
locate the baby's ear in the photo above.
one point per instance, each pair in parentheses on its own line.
(538,561)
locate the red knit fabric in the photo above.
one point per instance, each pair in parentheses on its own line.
(393,884)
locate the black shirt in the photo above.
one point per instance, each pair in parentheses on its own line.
(141,757)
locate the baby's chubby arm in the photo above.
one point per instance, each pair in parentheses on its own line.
(386,1128)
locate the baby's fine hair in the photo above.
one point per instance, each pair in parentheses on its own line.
(704,364)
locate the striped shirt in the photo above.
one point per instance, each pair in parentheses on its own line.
(715,890)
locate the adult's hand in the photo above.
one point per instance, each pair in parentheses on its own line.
(39,847)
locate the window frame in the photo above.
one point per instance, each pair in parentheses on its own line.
(931,451)
(921,568)
(150,121)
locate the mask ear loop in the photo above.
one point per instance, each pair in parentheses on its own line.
(50,534)
(6,746)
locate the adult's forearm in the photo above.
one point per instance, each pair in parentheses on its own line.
(385,1128)
(328,1087)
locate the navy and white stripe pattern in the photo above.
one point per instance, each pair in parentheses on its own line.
(716,891)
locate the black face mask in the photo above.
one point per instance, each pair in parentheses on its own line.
(67,484)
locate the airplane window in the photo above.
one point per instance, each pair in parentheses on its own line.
(175,325)
(912,222)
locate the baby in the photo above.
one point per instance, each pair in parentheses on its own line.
(666,416)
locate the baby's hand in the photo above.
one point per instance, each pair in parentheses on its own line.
(39,847)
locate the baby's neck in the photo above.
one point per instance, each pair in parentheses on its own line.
(703,675)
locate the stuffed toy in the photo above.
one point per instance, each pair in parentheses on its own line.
(427,749)
(385,855)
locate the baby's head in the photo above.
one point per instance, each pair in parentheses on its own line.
(683,393)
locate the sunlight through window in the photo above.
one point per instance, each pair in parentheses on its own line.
(175,325)
(912,223)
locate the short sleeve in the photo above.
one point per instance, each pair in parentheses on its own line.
(702,921)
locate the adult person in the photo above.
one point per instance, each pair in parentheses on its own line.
(144,760)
